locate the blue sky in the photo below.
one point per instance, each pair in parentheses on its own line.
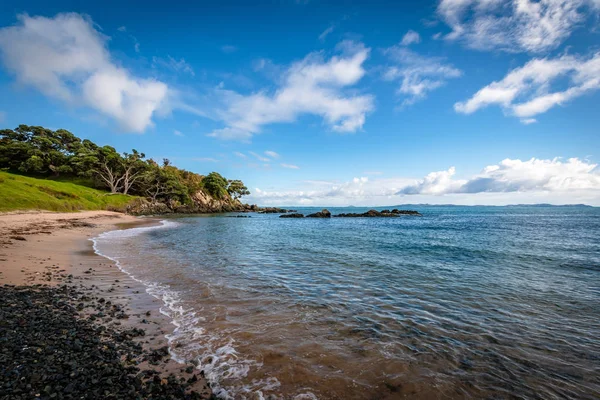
(310,102)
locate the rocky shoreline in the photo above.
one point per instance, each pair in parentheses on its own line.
(54,348)
(369,214)
(72,325)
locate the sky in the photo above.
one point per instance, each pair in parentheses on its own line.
(325,103)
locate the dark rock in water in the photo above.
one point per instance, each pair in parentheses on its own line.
(273,210)
(18,238)
(379,214)
(324,213)
(292,215)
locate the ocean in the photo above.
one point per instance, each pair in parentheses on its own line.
(463,302)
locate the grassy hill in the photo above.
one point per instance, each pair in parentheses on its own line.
(24,193)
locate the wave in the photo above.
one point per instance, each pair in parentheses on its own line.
(216,360)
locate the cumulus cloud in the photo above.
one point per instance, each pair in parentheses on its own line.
(65,57)
(534,175)
(418,75)
(508,182)
(313,85)
(513,25)
(527,91)
(410,37)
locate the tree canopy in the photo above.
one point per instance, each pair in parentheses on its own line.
(38,151)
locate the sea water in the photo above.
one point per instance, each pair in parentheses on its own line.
(463,302)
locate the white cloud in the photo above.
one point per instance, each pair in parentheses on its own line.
(418,74)
(410,37)
(528,121)
(311,86)
(259,157)
(229,133)
(228,49)
(513,25)
(272,154)
(511,181)
(122,29)
(240,155)
(326,32)
(178,133)
(205,159)
(526,91)
(178,66)
(65,57)
(289,166)
(534,175)
(359,190)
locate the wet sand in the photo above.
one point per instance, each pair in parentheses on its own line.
(50,249)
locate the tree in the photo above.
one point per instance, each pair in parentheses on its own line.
(215,185)
(237,189)
(162,182)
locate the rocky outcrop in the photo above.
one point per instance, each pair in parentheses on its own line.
(380,214)
(292,215)
(273,210)
(144,207)
(324,213)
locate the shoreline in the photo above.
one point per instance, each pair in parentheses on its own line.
(47,249)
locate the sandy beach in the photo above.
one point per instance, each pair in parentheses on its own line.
(53,250)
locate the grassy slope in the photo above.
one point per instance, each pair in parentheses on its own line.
(23,193)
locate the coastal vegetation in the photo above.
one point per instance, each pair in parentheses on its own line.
(72,173)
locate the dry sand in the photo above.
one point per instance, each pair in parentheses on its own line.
(54,248)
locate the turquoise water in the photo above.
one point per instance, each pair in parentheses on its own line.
(464,302)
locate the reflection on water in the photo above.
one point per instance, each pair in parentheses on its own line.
(465,302)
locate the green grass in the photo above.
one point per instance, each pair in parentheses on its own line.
(24,193)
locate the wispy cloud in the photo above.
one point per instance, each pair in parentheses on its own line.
(326,32)
(178,66)
(513,25)
(410,37)
(178,133)
(289,166)
(418,75)
(228,49)
(311,86)
(66,58)
(527,91)
(259,157)
(205,159)
(272,154)
(240,155)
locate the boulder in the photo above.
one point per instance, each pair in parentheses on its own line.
(324,213)
(292,215)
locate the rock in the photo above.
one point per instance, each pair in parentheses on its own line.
(272,210)
(292,215)
(380,214)
(324,213)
